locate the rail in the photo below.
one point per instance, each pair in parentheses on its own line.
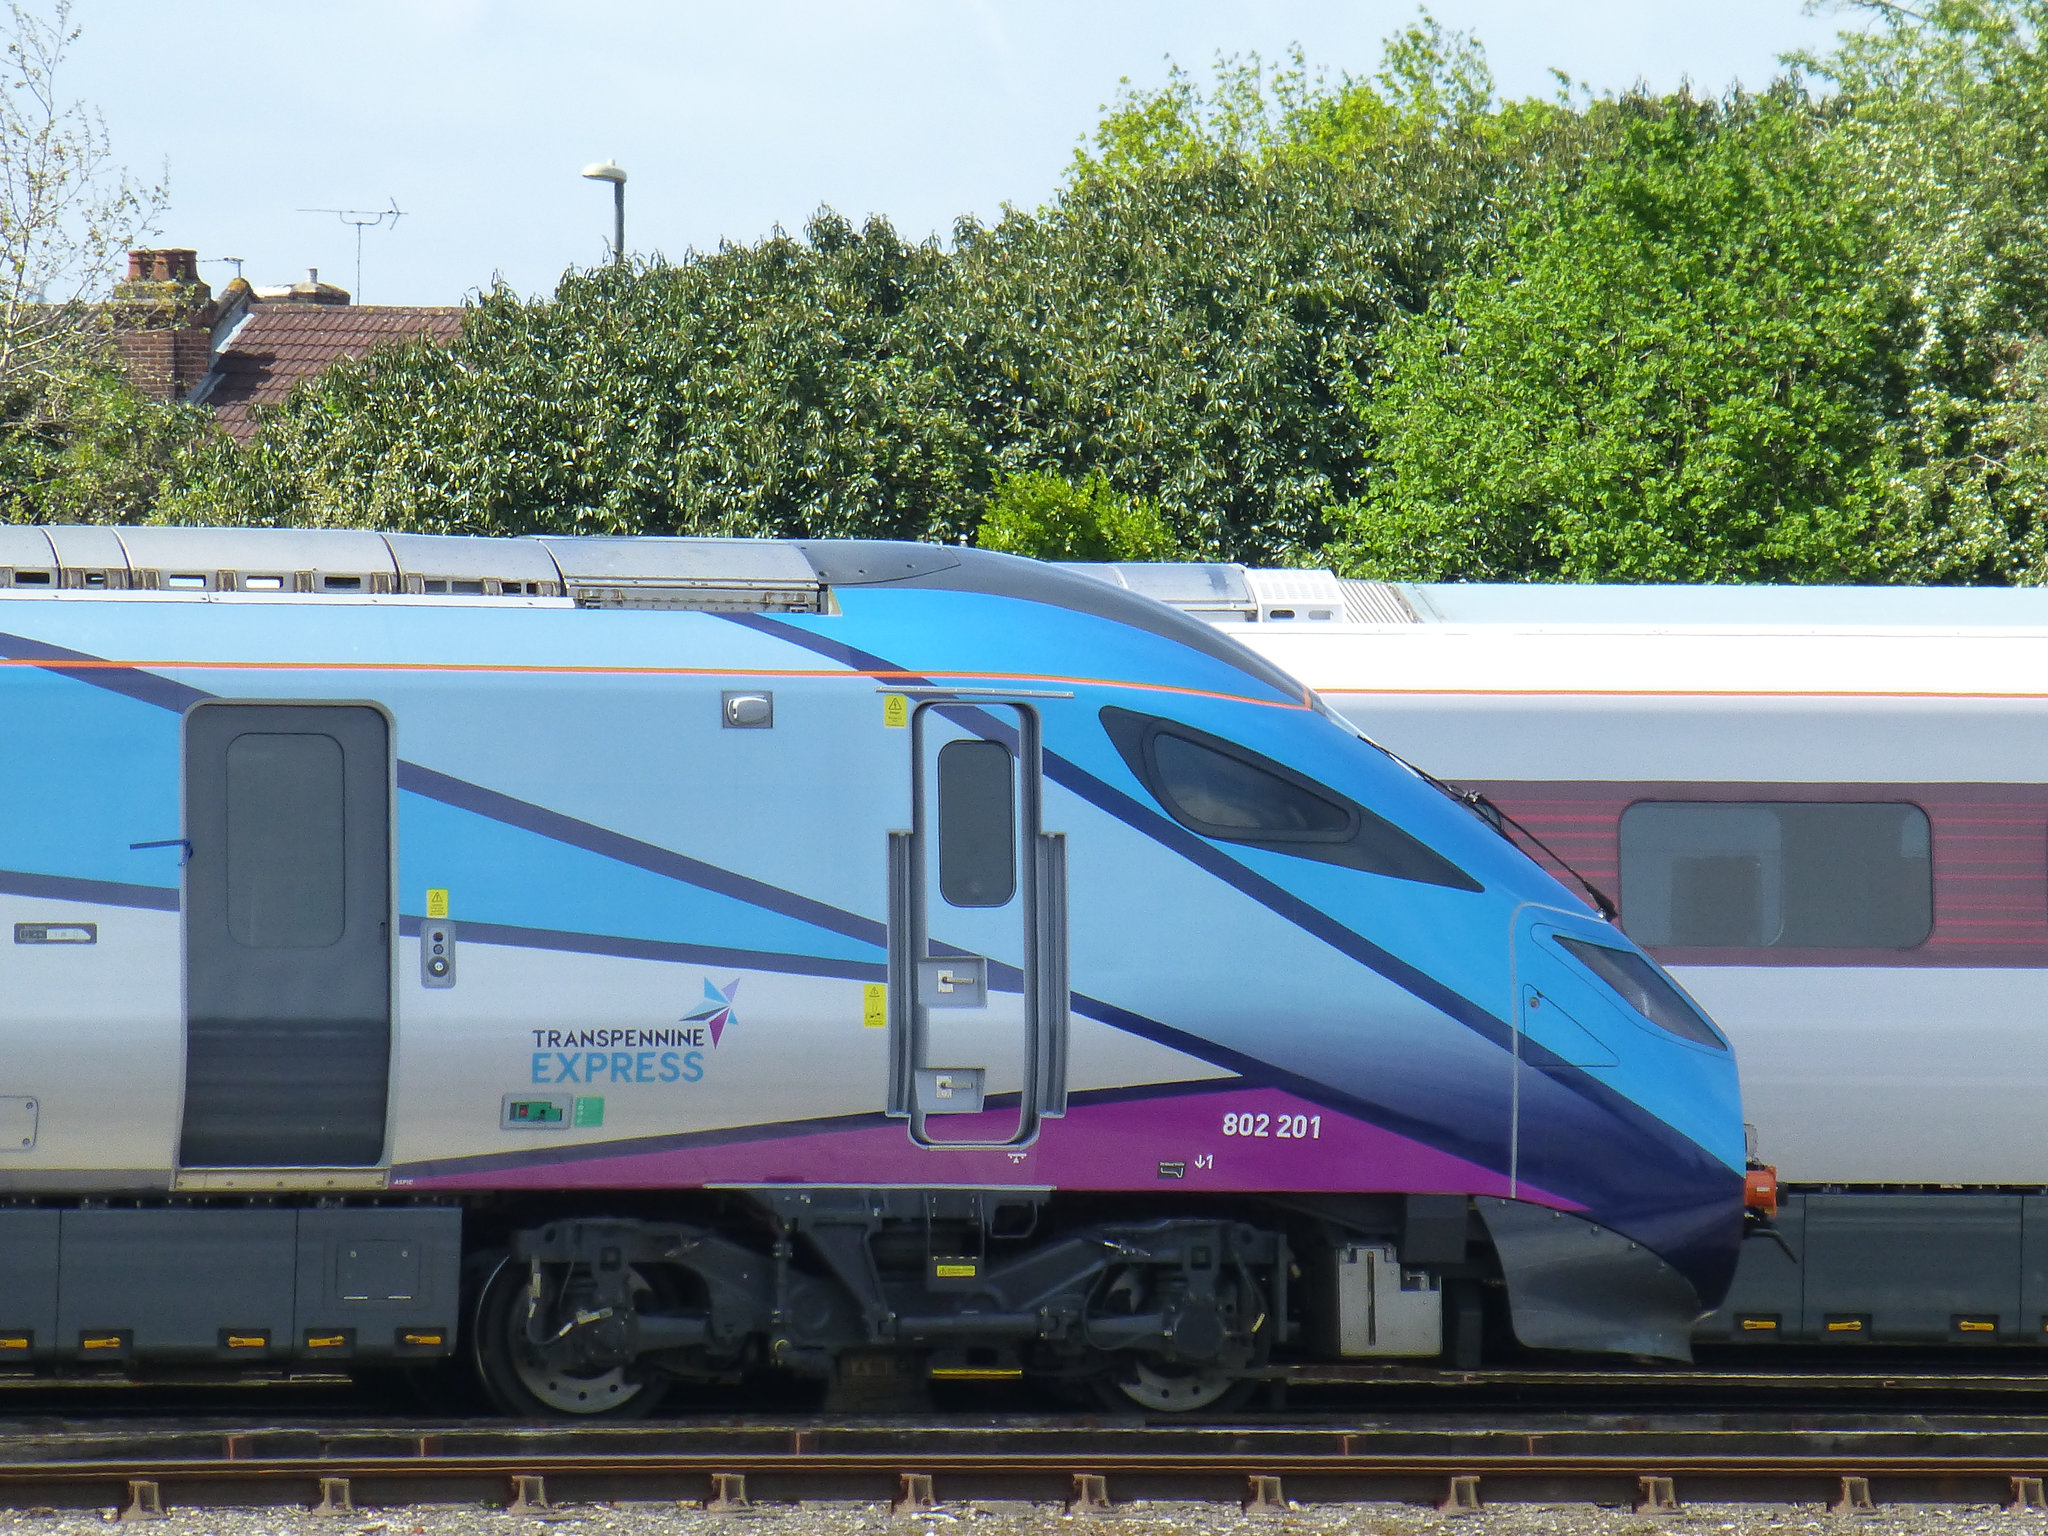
(1086,1466)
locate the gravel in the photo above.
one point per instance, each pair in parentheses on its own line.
(1142,1518)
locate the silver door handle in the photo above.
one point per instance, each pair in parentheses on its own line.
(953,982)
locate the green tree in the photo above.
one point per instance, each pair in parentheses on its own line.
(1053,519)
(1683,369)
(1190,326)
(1949,128)
(67,211)
(77,442)
(1430,81)
(84,446)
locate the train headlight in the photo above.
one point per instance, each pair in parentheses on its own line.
(1646,989)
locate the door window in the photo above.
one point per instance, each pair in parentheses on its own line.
(977,824)
(286,887)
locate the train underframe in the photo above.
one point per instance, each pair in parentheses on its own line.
(584,1304)
(577,1305)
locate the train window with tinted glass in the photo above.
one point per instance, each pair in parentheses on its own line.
(1232,794)
(285,840)
(1776,875)
(1221,790)
(977,824)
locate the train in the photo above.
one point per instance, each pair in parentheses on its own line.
(603,964)
(1825,811)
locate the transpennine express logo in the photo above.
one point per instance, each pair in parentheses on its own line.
(717,1010)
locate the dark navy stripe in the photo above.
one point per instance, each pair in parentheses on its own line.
(149,688)
(1277,899)
(824,645)
(524,814)
(104,893)
(714,956)
(129,682)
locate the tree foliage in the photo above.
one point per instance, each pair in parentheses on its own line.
(1387,320)
(1049,518)
(84,446)
(1792,338)
(778,388)
(67,210)
(1682,369)
(1429,81)
(78,443)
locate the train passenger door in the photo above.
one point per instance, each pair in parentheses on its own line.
(978,996)
(287,936)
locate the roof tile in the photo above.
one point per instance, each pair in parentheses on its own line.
(280,346)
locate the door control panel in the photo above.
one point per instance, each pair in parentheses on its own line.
(437,952)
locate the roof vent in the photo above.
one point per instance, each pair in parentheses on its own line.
(716,575)
(336,560)
(1296,596)
(1376,602)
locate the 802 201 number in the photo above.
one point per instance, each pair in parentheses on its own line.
(1277,1127)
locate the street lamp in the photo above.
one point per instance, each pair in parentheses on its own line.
(604,170)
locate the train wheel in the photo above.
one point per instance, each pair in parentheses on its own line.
(523,1384)
(1172,1389)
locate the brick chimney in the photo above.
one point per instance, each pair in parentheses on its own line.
(161,317)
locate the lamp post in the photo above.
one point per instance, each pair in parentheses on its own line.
(604,170)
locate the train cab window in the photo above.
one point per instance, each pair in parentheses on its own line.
(977,824)
(1776,875)
(1234,795)
(285,886)
(1222,790)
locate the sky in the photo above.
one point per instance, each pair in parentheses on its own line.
(476,116)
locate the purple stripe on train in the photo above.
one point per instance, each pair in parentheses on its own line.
(1255,1139)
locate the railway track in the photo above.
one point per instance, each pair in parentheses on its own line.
(1087,1465)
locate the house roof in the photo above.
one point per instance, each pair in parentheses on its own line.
(280,346)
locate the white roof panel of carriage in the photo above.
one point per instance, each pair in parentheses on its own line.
(1645,642)
(1573,604)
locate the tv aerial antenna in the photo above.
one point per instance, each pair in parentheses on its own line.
(362,219)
